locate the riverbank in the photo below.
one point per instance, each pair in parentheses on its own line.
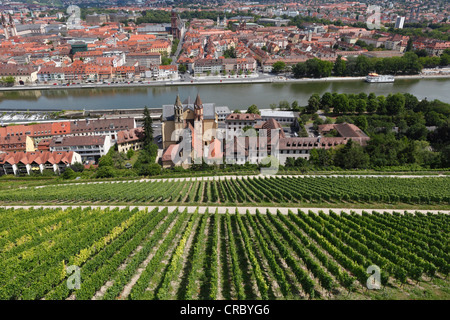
(212,81)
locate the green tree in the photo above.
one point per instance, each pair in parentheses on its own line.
(362,65)
(105,172)
(372,105)
(417,131)
(351,156)
(165,61)
(324,68)
(283,105)
(326,101)
(361,122)
(130,153)
(148,127)
(68,174)
(278,67)
(444,60)
(341,103)
(182,68)
(151,169)
(313,103)
(321,157)
(253,109)
(339,68)
(299,70)
(361,106)
(395,103)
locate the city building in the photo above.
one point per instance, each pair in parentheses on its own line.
(18,163)
(399,22)
(132,139)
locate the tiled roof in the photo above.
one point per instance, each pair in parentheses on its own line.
(37,157)
(130,135)
(243,116)
(77,141)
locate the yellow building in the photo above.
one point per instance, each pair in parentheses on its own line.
(198,119)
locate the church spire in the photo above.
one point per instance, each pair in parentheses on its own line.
(198,102)
(178,101)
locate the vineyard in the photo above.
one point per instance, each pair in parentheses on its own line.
(267,190)
(161,254)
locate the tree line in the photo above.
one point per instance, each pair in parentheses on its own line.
(409,63)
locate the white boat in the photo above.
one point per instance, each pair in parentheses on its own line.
(376,78)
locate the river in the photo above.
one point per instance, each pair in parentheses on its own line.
(235,96)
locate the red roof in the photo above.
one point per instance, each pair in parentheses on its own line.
(37,157)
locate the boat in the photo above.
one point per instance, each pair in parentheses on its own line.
(376,78)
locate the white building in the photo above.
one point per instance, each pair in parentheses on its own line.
(399,22)
(283,117)
(89,147)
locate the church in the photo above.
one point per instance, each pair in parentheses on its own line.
(199,120)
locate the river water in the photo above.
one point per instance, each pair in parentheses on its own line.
(236,96)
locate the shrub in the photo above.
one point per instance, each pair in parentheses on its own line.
(105,172)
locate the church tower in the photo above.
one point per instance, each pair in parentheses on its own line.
(12,26)
(5,27)
(198,109)
(198,127)
(178,114)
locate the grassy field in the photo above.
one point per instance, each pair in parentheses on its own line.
(163,254)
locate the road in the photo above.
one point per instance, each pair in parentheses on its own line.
(261,78)
(177,53)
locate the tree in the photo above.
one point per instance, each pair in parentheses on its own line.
(148,127)
(445,60)
(278,66)
(253,109)
(341,103)
(77,167)
(130,153)
(230,53)
(361,122)
(362,65)
(313,103)
(68,174)
(395,103)
(165,61)
(295,106)
(182,68)
(237,111)
(151,169)
(361,105)
(412,64)
(324,68)
(351,156)
(299,70)
(105,161)
(339,68)
(409,45)
(417,131)
(411,101)
(321,157)
(372,105)
(105,172)
(283,105)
